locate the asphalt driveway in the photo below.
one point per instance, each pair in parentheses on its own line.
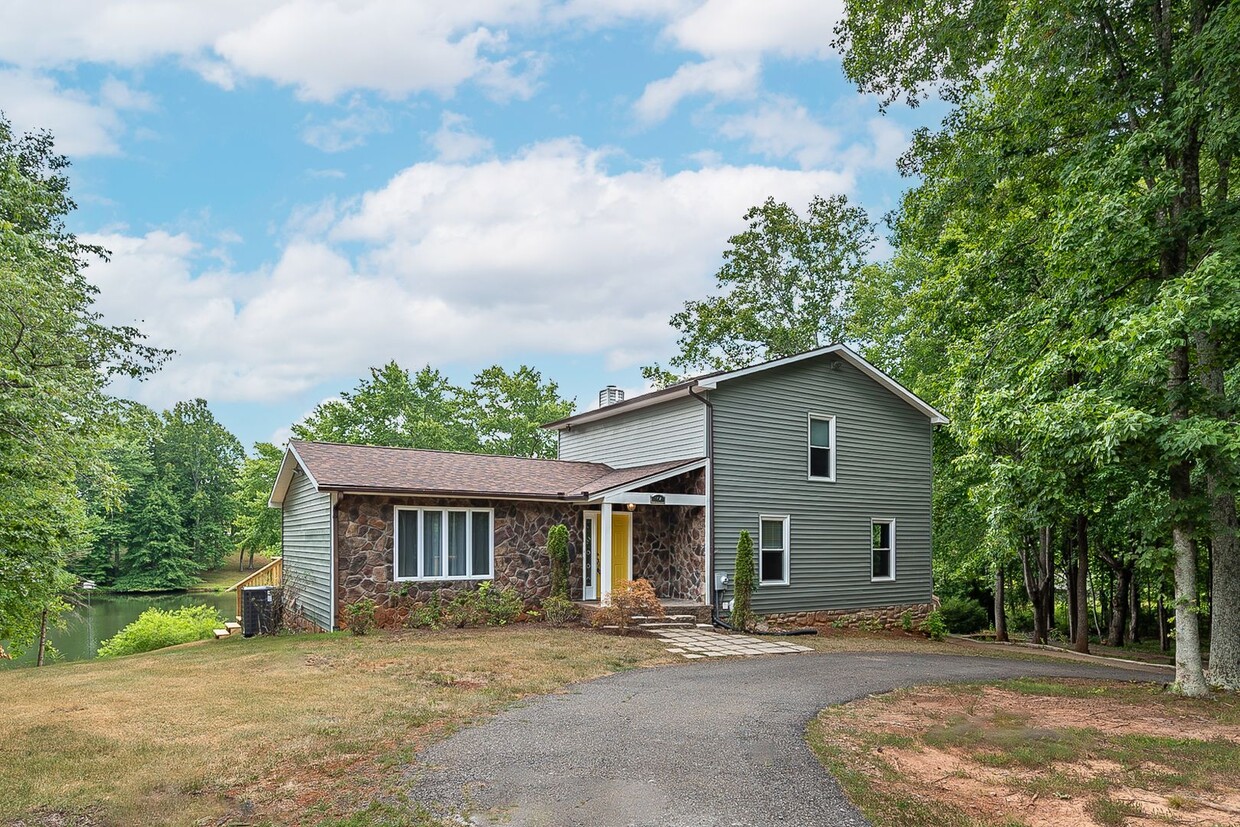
(708,743)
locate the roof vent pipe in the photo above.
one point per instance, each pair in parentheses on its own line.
(610,395)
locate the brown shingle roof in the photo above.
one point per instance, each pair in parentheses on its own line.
(415,471)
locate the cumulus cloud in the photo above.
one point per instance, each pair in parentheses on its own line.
(782,128)
(722,78)
(734,36)
(83,124)
(454,141)
(548,251)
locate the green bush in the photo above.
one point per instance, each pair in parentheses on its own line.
(157,628)
(1020,619)
(559,610)
(429,615)
(359,616)
(906,621)
(557,550)
(933,626)
(742,583)
(498,607)
(964,616)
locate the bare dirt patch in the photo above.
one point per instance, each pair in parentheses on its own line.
(1036,753)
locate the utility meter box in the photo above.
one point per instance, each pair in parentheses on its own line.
(722,581)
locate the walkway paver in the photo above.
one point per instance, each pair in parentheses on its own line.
(698,643)
(719,742)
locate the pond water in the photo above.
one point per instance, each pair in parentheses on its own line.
(86,627)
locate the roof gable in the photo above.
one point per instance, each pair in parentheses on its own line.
(710,381)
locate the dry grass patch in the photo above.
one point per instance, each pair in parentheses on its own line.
(1036,753)
(296,729)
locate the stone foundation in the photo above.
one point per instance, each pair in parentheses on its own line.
(884,617)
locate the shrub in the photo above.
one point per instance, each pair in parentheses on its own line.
(498,607)
(157,628)
(557,550)
(906,621)
(628,598)
(963,615)
(359,616)
(427,615)
(742,583)
(933,626)
(559,610)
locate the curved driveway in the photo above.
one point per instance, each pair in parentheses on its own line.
(708,743)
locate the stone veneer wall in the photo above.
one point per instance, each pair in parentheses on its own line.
(364,527)
(887,617)
(669,541)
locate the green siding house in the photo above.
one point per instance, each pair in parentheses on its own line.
(824,459)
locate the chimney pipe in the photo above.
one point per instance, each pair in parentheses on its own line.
(610,395)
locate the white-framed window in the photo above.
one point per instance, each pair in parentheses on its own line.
(882,549)
(822,448)
(773,554)
(443,543)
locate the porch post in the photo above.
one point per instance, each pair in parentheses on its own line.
(604,584)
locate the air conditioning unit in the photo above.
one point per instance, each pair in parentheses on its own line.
(258,610)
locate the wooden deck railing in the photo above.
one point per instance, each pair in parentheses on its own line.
(268,575)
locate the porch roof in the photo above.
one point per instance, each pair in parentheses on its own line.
(380,470)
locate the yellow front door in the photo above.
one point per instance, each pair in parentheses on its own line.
(621,525)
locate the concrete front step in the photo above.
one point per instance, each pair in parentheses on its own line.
(661,625)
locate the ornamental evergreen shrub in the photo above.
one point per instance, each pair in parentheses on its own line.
(557,550)
(157,628)
(558,610)
(964,616)
(742,583)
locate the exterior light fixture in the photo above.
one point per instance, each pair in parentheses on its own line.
(631,506)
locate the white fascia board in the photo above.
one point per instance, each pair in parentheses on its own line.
(292,460)
(645,498)
(602,496)
(854,359)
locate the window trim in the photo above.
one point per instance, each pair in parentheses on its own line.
(786,519)
(809,445)
(443,549)
(890,521)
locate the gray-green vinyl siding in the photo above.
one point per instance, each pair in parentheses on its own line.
(671,431)
(883,471)
(307,548)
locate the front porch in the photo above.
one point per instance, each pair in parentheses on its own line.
(656,532)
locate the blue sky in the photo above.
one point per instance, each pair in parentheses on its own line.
(296,190)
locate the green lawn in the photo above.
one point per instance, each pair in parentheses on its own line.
(227,575)
(290,730)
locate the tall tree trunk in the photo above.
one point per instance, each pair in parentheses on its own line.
(1224,550)
(1001,633)
(1119,607)
(1164,639)
(1081,641)
(1134,608)
(1189,678)
(1074,593)
(1034,556)
(42,637)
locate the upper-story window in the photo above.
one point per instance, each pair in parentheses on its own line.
(883,549)
(822,448)
(444,543)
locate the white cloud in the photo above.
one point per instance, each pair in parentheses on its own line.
(81,125)
(454,141)
(722,78)
(782,128)
(349,131)
(789,28)
(548,251)
(734,36)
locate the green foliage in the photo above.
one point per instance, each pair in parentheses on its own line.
(256,526)
(500,413)
(359,616)
(934,626)
(429,615)
(963,616)
(557,550)
(559,610)
(782,287)
(485,605)
(498,607)
(55,359)
(743,583)
(906,621)
(157,628)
